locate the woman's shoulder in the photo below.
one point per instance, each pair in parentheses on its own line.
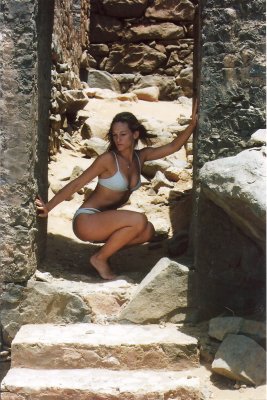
(106,157)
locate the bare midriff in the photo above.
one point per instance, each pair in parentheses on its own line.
(106,199)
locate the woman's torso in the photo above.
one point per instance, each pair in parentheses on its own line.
(116,184)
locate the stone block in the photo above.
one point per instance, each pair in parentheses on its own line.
(99,384)
(240,358)
(117,347)
(165,290)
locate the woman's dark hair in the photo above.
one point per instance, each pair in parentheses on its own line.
(133,124)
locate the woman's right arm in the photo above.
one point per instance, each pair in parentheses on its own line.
(74,186)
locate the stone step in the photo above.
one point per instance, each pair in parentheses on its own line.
(99,384)
(103,346)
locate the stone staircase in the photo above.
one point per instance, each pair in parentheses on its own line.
(88,361)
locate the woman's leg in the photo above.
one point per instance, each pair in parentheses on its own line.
(117,228)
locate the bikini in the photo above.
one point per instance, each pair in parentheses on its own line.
(116,182)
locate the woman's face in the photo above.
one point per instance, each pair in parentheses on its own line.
(123,137)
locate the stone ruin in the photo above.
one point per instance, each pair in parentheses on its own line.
(131,46)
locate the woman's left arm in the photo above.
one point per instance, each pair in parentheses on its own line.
(154,153)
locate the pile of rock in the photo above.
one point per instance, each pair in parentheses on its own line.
(144,45)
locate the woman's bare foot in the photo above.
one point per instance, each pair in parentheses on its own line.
(102,268)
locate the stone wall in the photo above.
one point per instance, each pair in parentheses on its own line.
(232,79)
(231,83)
(70,33)
(136,39)
(19,132)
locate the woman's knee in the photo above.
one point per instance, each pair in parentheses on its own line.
(140,222)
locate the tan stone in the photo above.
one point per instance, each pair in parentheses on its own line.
(99,384)
(103,346)
(148,93)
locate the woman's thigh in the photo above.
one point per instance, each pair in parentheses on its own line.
(100,226)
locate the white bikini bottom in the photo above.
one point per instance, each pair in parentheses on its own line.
(85,211)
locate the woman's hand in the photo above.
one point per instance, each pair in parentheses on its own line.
(194,114)
(41,208)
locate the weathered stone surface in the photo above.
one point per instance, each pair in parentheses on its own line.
(171,10)
(95,127)
(185,80)
(232,96)
(164,31)
(159,181)
(240,358)
(102,80)
(98,384)
(75,100)
(168,89)
(133,58)
(23,140)
(163,291)
(105,29)
(124,9)
(219,327)
(258,138)
(150,168)
(39,302)
(60,302)
(148,94)
(93,147)
(103,346)
(225,265)
(238,185)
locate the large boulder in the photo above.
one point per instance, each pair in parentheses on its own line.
(39,302)
(238,185)
(164,291)
(240,358)
(102,80)
(168,90)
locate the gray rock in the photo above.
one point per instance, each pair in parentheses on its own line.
(93,147)
(39,302)
(159,181)
(258,138)
(131,58)
(75,100)
(168,89)
(241,358)
(171,10)
(150,168)
(163,291)
(221,326)
(102,80)
(238,185)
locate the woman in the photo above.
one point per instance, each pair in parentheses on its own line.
(119,174)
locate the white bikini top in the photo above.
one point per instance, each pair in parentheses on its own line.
(118,181)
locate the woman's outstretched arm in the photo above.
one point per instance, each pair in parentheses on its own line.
(154,153)
(67,191)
